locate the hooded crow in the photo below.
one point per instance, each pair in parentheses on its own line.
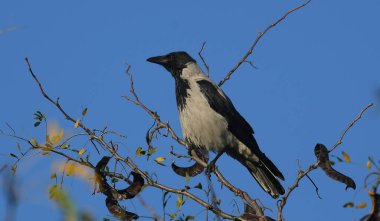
(210,121)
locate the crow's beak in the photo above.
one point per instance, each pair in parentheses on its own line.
(162,60)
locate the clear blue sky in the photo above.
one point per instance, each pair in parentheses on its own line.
(316,70)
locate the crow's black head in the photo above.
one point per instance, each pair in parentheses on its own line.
(173,62)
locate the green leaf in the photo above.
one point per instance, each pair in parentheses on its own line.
(166,198)
(65,146)
(140,152)
(18,147)
(53,192)
(159,160)
(189,218)
(179,201)
(14,168)
(39,116)
(13,155)
(198,186)
(348,205)
(33,141)
(84,112)
(152,151)
(114,180)
(37,123)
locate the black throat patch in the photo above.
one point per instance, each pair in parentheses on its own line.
(181,86)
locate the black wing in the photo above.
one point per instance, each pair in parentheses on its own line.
(239,127)
(220,103)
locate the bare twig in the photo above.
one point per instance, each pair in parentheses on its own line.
(63,173)
(251,64)
(301,174)
(259,36)
(56,103)
(9,126)
(311,180)
(374,163)
(203,60)
(315,185)
(155,217)
(340,140)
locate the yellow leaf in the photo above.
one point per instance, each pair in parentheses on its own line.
(61,132)
(81,151)
(179,201)
(369,164)
(361,205)
(140,152)
(76,123)
(53,192)
(33,141)
(54,133)
(160,159)
(187,178)
(57,137)
(346,157)
(82,171)
(45,151)
(70,169)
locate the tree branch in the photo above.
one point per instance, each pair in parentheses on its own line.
(127,160)
(340,140)
(259,36)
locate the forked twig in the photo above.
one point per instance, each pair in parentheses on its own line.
(203,60)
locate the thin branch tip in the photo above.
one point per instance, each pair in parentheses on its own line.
(256,41)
